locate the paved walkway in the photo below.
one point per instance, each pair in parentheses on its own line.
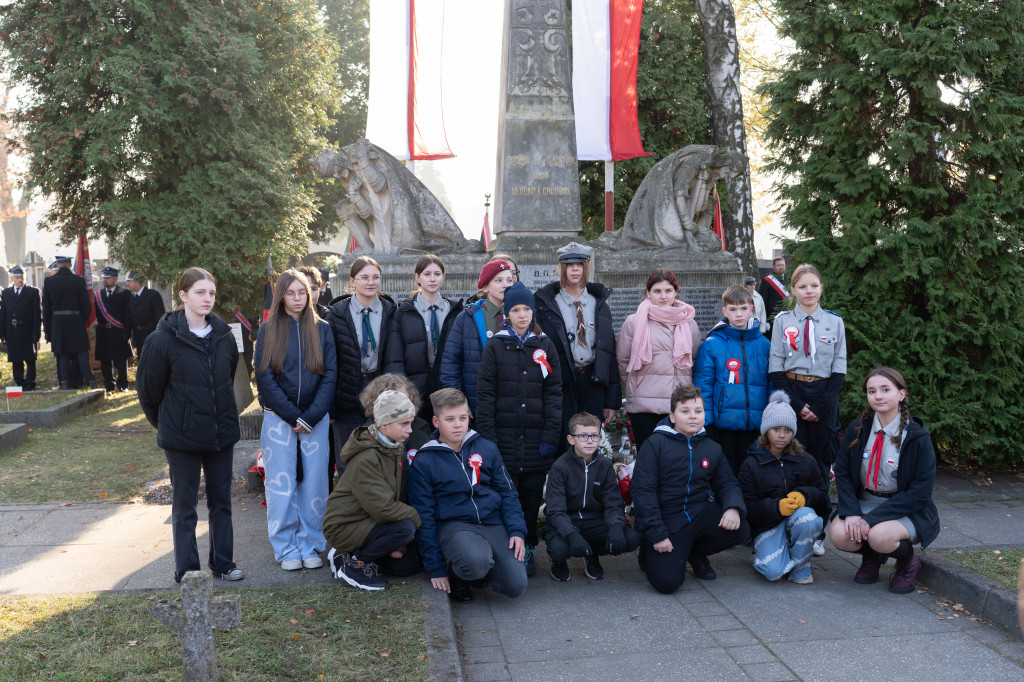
(741,627)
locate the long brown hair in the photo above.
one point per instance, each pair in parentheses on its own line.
(278,324)
(191,276)
(422,264)
(901,385)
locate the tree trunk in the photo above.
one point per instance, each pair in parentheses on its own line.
(723,85)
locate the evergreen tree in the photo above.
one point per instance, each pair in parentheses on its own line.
(899,127)
(178,131)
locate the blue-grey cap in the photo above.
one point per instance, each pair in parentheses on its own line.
(130,277)
(574,253)
(16,270)
(109,272)
(60,260)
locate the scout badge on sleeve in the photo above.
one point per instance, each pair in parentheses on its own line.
(733,365)
(790,333)
(475,461)
(541,358)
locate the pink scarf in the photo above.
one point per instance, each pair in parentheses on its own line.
(678,314)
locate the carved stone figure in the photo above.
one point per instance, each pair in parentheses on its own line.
(674,205)
(388,210)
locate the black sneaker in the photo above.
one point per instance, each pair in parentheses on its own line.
(531,564)
(560,571)
(361,574)
(702,568)
(459,589)
(592,567)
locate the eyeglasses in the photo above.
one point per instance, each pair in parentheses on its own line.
(366,278)
(295,294)
(586,437)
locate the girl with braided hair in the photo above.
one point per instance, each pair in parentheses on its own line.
(885,472)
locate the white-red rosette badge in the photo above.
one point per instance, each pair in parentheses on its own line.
(790,333)
(541,358)
(733,365)
(476,460)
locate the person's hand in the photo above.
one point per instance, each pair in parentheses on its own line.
(663,547)
(299,428)
(396,554)
(441,584)
(609,414)
(616,540)
(857,528)
(787,506)
(730,519)
(801,501)
(518,547)
(807,415)
(578,546)
(547,450)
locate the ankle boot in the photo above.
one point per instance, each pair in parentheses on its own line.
(867,574)
(905,578)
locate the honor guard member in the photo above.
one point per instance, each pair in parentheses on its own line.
(20,325)
(66,308)
(147,307)
(773,290)
(113,329)
(576,315)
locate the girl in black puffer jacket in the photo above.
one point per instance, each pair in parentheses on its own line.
(296,372)
(185,382)
(519,403)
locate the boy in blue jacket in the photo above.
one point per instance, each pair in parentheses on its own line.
(468,506)
(731,371)
(677,470)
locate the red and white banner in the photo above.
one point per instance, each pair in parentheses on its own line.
(404,113)
(605,54)
(83,268)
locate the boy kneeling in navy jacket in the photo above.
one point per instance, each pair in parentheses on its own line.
(584,510)
(468,506)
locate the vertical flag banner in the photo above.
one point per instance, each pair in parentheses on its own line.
(716,226)
(485,233)
(83,268)
(404,112)
(605,44)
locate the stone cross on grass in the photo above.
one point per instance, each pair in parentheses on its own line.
(195,615)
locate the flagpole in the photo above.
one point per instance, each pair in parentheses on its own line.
(609,196)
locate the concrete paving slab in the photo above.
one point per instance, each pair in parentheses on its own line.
(768,672)
(693,664)
(14,523)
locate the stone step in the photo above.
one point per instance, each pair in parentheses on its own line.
(12,435)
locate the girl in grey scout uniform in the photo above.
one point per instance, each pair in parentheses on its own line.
(808,361)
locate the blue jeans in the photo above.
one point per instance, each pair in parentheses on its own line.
(787,547)
(295,511)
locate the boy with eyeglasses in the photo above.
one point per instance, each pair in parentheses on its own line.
(584,512)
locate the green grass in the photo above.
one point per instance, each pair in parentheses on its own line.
(299,633)
(105,455)
(46,371)
(1003,566)
(38,400)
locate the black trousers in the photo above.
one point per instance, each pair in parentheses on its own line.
(734,445)
(820,438)
(185,471)
(25,373)
(530,487)
(595,532)
(108,367)
(643,425)
(79,361)
(701,538)
(384,539)
(582,394)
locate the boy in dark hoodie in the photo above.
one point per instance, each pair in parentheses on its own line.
(469,507)
(584,509)
(676,472)
(366,522)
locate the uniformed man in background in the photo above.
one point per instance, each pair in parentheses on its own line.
(20,326)
(66,308)
(147,307)
(113,329)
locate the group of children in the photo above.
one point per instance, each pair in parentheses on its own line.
(728,464)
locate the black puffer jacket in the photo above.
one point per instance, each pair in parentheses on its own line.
(346,344)
(582,490)
(605,370)
(516,406)
(765,479)
(408,348)
(187,395)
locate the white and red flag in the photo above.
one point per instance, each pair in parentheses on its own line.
(404,113)
(605,54)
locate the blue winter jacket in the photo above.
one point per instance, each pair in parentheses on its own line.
(462,352)
(296,394)
(735,406)
(440,488)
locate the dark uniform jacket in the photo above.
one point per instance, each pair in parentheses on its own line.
(64,294)
(146,310)
(346,342)
(111,341)
(408,347)
(20,319)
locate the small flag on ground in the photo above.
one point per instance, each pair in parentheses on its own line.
(14,391)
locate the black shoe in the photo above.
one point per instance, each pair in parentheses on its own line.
(480,584)
(361,574)
(560,571)
(92,385)
(460,590)
(702,568)
(531,563)
(592,567)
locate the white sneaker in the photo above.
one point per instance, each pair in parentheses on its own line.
(313,562)
(819,548)
(291,564)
